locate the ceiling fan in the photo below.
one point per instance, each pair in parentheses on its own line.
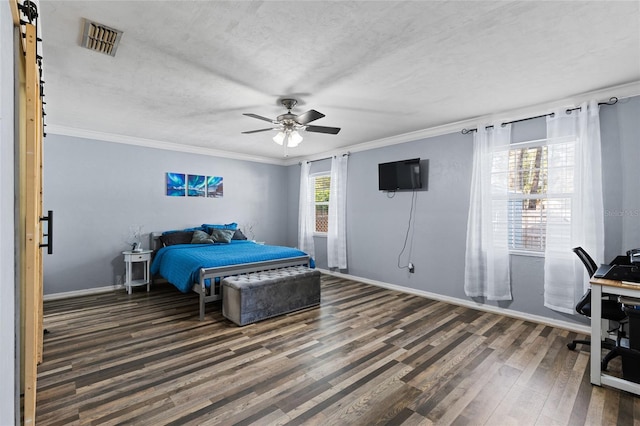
(289,124)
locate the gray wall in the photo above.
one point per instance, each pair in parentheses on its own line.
(98,189)
(377,223)
(620,129)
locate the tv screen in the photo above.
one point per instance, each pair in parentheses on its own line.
(398,175)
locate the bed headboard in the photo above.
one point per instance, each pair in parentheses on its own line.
(154,241)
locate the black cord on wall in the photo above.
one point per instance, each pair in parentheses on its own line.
(406,236)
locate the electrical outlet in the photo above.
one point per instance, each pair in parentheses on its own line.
(412,269)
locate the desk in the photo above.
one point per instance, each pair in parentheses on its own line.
(611,287)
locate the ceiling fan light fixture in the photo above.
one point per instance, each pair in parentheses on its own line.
(294,139)
(288,125)
(279,138)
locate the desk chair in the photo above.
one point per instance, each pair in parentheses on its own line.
(612,310)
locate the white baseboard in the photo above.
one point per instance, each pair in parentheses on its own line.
(578,328)
(85,292)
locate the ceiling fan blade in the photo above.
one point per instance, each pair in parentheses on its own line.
(260,130)
(309,116)
(259,117)
(323,129)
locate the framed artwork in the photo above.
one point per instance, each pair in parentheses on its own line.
(196,186)
(176,184)
(214,187)
(182,184)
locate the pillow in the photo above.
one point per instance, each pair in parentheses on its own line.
(201,237)
(176,237)
(197,228)
(222,235)
(238,235)
(208,226)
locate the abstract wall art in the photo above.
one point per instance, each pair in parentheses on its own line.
(196,186)
(183,184)
(176,184)
(214,187)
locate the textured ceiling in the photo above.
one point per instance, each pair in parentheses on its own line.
(186,71)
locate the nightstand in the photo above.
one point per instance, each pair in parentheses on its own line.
(131,257)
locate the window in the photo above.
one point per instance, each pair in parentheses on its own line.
(534,198)
(321,184)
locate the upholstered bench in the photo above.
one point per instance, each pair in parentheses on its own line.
(260,295)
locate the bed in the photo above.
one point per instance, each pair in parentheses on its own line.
(200,267)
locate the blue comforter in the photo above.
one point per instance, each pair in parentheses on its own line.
(180,264)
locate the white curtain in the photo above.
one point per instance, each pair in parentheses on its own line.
(487,253)
(337,231)
(306,212)
(578,220)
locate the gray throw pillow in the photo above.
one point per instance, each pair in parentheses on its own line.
(174,238)
(222,235)
(201,237)
(238,235)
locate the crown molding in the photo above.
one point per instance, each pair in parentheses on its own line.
(621,91)
(151,143)
(392,140)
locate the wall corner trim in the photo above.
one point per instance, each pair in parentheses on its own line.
(84,292)
(621,91)
(150,143)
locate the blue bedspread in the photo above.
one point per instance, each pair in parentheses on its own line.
(180,264)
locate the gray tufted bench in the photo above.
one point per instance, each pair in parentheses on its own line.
(260,295)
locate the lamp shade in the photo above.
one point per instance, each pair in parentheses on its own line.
(279,138)
(294,139)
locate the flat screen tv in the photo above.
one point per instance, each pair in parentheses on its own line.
(399,175)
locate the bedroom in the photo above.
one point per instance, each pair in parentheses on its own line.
(99,187)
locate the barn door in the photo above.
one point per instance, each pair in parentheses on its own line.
(29,131)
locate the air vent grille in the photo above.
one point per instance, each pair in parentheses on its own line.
(100,38)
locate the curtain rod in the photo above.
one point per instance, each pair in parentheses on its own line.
(612,101)
(325,158)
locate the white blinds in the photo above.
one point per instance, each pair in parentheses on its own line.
(529,196)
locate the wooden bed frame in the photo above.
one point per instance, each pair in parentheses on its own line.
(214,291)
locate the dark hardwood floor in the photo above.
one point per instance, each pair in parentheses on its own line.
(366,356)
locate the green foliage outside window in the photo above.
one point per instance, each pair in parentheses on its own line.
(322,189)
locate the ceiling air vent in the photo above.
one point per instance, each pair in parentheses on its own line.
(100,38)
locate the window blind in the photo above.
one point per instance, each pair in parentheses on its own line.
(532,199)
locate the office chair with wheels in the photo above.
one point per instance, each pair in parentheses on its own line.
(612,310)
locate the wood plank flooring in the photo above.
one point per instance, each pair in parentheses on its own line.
(367,356)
